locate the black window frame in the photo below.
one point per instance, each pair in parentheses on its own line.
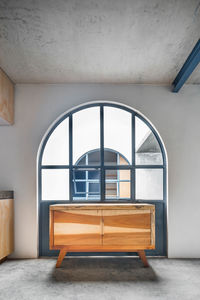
(132,167)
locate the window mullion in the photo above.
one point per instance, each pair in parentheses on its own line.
(102,195)
(87,182)
(133,160)
(70,159)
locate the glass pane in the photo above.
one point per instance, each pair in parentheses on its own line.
(95,175)
(94,158)
(124,175)
(56,151)
(124,188)
(148,151)
(82,161)
(124,184)
(111,190)
(55,184)
(79,175)
(86,133)
(117,132)
(86,184)
(117,184)
(110,158)
(94,188)
(80,187)
(149,184)
(122,161)
(111,174)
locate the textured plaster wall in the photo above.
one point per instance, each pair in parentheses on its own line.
(176,117)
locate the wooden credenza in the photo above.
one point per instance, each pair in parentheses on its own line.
(102,228)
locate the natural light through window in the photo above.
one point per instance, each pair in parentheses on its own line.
(102,152)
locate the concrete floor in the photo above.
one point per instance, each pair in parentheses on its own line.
(104,278)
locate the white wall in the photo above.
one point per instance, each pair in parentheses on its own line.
(176,116)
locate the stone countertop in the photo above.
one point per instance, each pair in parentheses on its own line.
(6,195)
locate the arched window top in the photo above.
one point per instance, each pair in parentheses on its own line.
(111,157)
(102,137)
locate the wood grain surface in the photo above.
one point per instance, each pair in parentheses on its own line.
(6,228)
(120,226)
(126,227)
(77,227)
(106,206)
(102,228)
(6,98)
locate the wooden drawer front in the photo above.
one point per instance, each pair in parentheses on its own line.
(127,227)
(77,227)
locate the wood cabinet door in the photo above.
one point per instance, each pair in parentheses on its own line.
(127,227)
(77,227)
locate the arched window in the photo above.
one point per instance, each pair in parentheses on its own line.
(102,152)
(86,182)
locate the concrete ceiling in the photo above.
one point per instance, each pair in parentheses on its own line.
(122,41)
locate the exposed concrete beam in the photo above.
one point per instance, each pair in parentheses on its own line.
(190,64)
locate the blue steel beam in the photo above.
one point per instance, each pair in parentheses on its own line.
(190,64)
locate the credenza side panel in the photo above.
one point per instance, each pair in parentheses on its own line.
(77,227)
(127,227)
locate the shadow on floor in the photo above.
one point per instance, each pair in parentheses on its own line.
(103,269)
